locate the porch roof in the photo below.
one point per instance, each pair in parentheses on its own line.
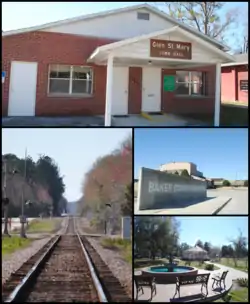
(119,49)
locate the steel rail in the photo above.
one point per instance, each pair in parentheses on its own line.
(19,288)
(94,276)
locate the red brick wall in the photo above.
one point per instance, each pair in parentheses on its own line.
(242,74)
(190,105)
(55,48)
(230,83)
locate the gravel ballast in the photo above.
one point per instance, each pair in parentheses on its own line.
(12,262)
(121,269)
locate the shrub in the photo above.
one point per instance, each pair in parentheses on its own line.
(209,266)
(226,183)
(243,282)
(246,183)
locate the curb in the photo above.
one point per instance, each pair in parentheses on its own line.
(221,207)
(145,115)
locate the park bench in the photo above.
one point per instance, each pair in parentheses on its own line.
(220,278)
(188,280)
(142,281)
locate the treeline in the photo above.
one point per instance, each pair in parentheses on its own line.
(43,185)
(159,237)
(107,188)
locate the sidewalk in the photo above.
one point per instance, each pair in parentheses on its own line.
(211,207)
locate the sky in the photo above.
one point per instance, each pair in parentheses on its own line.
(74,150)
(218,153)
(218,230)
(17,15)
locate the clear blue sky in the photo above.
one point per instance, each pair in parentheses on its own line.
(17,15)
(214,229)
(216,152)
(74,150)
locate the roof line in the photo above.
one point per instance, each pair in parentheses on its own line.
(118,44)
(115,11)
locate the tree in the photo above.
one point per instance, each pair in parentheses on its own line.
(207,247)
(156,236)
(39,182)
(226,183)
(227,251)
(48,173)
(176,173)
(106,183)
(183,247)
(204,17)
(200,244)
(185,173)
(246,183)
(240,247)
(126,207)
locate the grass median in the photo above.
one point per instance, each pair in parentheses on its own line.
(42,226)
(14,243)
(121,245)
(241,264)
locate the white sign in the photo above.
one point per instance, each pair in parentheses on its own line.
(3,76)
(126,227)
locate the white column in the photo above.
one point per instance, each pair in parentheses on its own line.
(217,95)
(109,86)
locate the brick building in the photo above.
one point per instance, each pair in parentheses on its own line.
(120,62)
(234,79)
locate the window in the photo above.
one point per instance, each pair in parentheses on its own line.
(72,80)
(142,16)
(190,83)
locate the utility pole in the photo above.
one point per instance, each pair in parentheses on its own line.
(5,200)
(22,218)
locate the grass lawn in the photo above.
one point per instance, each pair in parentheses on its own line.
(11,244)
(124,246)
(229,116)
(241,264)
(240,295)
(43,225)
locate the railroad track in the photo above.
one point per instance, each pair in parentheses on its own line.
(66,269)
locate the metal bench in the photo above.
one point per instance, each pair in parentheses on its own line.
(188,280)
(145,281)
(220,278)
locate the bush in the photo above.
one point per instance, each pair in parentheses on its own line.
(209,267)
(226,183)
(246,183)
(243,282)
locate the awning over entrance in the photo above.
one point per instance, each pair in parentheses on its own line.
(137,50)
(169,48)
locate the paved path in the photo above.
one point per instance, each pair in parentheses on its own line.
(238,204)
(53,121)
(233,273)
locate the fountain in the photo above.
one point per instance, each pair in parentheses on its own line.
(167,273)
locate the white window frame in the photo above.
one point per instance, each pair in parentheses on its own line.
(190,82)
(70,94)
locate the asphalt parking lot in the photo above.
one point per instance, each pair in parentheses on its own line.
(238,204)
